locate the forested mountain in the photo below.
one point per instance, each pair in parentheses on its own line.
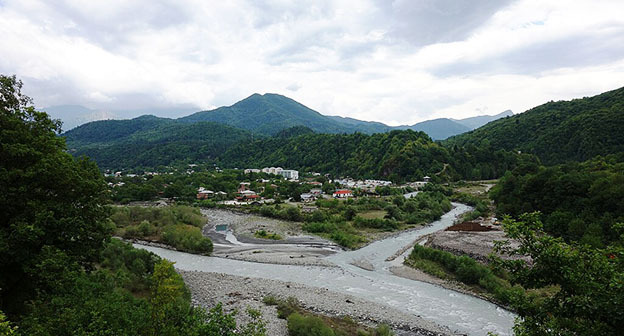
(271,113)
(396,155)
(558,132)
(150,141)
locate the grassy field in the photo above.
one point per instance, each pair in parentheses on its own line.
(373,214)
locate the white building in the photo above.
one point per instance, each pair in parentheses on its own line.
(290,174)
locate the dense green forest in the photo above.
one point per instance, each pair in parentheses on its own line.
(151,142)
(396,155)
(577,201)
(558,132)
(60,271)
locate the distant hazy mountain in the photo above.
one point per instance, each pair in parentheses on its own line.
(558,132)
(478,121)
(438,129)
(76,115)
(442,128)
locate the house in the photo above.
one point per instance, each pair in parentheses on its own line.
(316,192)
(308,197)
(248,197)
(243,186)
(249,171)
(344,193)
(204,193)
(426,179)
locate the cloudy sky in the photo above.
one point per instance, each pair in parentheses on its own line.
(397,62)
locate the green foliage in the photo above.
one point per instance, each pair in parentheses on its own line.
(266,235)
(444,265)
(299,325)
(578,201)
(397,155)
(5,326)
(178,226)
(151,142)
(589,292)
(303,323)
(49,201)
(481,205)
(558,132)
(187,238)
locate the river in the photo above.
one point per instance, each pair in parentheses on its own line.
(459,312)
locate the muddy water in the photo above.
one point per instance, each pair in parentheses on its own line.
(459,312)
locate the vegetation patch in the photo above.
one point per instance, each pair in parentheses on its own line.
(178,226)
(263,234)
(304,323)
(464,269)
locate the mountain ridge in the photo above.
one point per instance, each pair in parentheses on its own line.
(270,113)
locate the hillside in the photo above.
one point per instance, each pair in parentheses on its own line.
(558,132)
(396,155)
(271,113)
(150,141)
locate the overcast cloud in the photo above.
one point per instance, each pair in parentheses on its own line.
(398,62)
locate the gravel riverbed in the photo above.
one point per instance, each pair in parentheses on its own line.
(236,292)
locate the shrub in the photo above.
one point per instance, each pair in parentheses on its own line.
(187,238)
(299,325)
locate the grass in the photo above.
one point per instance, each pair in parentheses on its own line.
(372,214)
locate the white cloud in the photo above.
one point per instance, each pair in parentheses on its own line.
(397,63)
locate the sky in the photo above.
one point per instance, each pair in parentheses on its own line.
(397,62)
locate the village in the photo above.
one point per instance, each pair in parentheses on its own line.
(344,188)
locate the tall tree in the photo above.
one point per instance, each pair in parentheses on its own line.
(52,204)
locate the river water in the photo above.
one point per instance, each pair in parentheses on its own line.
(459,312)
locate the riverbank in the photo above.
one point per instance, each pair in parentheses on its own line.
(237,292)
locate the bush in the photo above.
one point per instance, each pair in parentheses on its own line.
(187,238)
(299,325)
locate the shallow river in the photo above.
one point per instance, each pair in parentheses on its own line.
(459,312)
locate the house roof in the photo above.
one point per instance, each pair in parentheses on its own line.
(342,192)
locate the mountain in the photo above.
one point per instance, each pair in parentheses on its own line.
(558,132)
(368,127)
(268,114)
(438,129)
(478,121)
(149,141)
(73,116)
(397,155)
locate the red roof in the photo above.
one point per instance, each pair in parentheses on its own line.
(342,192)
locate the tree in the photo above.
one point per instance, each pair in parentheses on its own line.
(588,282)
(50,201)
